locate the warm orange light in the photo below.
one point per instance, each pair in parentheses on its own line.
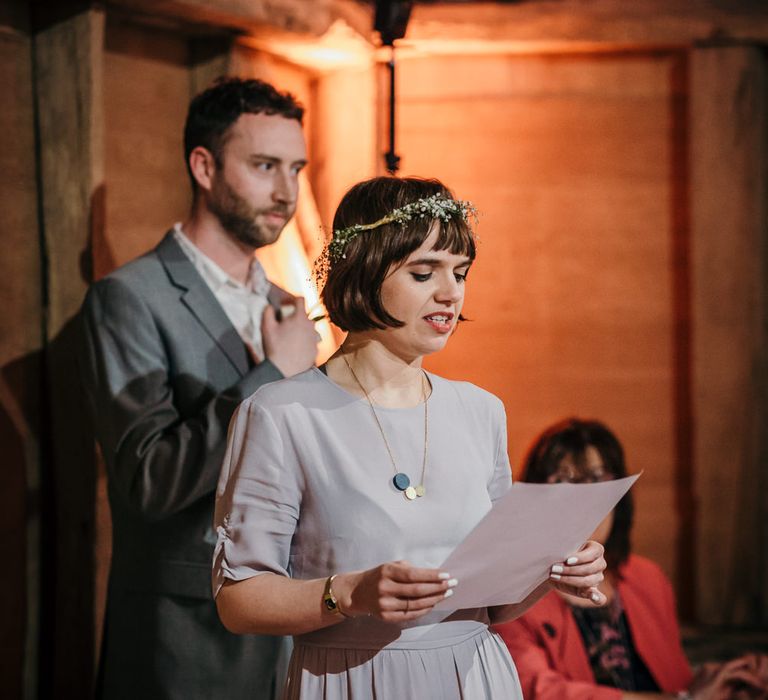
(340,47)
(289,265)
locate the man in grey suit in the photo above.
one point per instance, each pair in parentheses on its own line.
(173,342)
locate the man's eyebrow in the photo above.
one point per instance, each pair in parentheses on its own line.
(264,156)
(274,159)
(435,262)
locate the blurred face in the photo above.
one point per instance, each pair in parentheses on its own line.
(426,292)
(591,471)
(254,188)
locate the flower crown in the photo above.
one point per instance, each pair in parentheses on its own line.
(436,206)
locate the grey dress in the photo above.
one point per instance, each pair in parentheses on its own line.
(306,491)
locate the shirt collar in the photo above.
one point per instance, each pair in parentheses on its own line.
(216,277)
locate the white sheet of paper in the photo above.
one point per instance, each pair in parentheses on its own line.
(510,551)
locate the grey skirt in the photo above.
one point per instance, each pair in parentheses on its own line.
(476,666)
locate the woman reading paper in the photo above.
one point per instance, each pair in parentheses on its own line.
(345,487)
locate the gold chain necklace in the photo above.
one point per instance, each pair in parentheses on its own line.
(401,480)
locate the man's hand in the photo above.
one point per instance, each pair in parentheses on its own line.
(290,344)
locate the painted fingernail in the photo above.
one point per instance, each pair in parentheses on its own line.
(448,593)
(453,582)
(443,575)
(572,560)
(557,569)
(556,577)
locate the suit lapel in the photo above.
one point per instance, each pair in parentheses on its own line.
(201,302)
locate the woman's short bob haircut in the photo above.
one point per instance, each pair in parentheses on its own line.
(570,438)
(352,291)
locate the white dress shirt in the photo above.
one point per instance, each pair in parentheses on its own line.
(244,304)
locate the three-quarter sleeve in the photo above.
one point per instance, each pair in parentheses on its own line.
(501,479)
(257,499)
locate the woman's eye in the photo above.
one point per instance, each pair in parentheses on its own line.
(421,277)
(265,167)
(460,276)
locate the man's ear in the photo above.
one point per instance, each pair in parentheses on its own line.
(202,164)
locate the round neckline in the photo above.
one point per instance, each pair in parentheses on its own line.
(430,378)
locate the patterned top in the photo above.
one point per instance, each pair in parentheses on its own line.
(610,648)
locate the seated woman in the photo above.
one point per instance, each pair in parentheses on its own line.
(630,648)
(345,487)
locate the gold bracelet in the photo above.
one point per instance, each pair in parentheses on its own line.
(329,599)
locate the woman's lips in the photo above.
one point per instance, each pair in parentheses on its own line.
(442,322)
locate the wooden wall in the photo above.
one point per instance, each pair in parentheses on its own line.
(569,160)
(146,93)
(21,337)
(729,183)
(622,270)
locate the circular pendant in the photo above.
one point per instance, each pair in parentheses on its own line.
(410,493)
(401,481)
(420,490)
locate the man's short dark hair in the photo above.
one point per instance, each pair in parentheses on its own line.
(352,291)
(571,438)
(216,109)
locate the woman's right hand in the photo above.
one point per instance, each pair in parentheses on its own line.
(740,678)
(393,592)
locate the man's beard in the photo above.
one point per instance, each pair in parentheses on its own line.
(239,219)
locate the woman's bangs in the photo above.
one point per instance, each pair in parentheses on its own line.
(456,237)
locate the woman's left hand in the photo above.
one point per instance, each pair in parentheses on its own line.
(581,573)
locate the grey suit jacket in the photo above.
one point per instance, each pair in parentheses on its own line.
(164,369)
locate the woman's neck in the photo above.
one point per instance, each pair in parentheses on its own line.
(363,365)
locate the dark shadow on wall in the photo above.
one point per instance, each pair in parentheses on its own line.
(682,388)
(47,488)
(69,617)
(54,452)
(68,488)
(47,504)
(19,506)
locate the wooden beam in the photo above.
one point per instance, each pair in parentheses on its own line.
(209,59)
(243,15)
(67,60)
(20,362)
(658,22)
(729,87)
(612,21)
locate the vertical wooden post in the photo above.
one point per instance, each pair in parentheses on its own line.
(20,361)
(730,339)
(67,59)
(344,148)
(682,402)
(209,59)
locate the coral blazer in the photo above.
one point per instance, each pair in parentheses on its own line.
(550,655)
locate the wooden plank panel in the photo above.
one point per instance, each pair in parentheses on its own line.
(568,159)
(146,94)
(67,60)
(729,91)
(20,376)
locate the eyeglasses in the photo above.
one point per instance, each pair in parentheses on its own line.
(572,477)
